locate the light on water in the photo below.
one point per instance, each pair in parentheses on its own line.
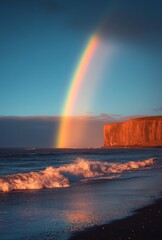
(86,187)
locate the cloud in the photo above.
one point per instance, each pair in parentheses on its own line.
(138,25)
(53,6)
(126,20)
(138,20)
(158,109)
(27,131)
(41,131)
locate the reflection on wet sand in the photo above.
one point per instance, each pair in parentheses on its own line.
(81,210)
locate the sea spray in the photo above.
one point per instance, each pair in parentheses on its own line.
(53,177)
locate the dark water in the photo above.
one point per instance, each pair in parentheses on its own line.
(49,193)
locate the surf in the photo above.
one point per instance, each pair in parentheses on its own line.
(60,177)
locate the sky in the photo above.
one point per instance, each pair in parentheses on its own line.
(41,44)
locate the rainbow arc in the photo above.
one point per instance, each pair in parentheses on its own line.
(74,88)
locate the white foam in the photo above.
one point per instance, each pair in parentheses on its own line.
(55,177)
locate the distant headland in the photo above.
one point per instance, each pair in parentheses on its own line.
(138,132)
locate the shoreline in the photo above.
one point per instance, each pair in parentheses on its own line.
(144,224)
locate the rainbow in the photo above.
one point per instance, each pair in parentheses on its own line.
(75,85)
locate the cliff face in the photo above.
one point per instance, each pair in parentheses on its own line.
(139,132)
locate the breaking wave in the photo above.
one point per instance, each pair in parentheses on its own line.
(53,177)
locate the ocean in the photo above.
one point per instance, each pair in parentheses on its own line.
(51,193)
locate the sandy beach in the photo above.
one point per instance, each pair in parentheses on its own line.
(145,224)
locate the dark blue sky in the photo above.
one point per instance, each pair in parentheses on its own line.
(41,44)
(42,41)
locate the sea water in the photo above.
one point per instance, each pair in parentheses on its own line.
(51,193)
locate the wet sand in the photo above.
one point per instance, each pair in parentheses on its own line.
(145,224)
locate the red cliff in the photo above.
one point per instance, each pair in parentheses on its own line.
(139,132)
